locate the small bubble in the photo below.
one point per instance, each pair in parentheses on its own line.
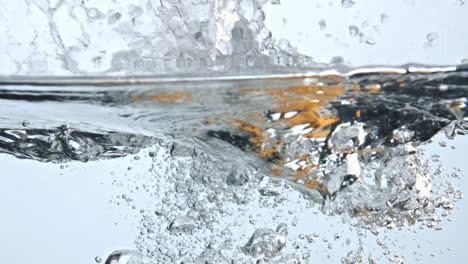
(370,41)
(443,87)
(347,3)
(383,18)
(353,31)
(127,256)
(322,24)
(114,18)
(183,224)
(310,239)
(98,259)
(94,13)
(432,39)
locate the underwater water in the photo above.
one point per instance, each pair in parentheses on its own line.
(233,131)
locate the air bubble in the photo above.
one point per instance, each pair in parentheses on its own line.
(347,3)
(94,13)
(432,39)
(353,31)
(183,224)
(127,257)
(267,242)
(114,18)
(322,25)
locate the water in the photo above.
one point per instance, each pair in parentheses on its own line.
(348,145)
(228,141)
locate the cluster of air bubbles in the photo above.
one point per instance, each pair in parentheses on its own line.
(194,195)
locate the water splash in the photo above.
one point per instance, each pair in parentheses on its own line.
(150,37)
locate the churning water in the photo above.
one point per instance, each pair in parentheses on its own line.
(347,144)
